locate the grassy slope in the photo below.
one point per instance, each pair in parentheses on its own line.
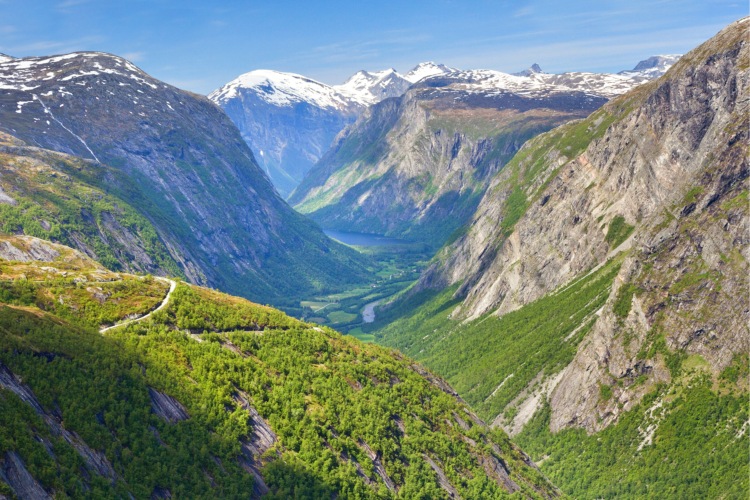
(477,357)
(685,440)
(324,395)
(55,203)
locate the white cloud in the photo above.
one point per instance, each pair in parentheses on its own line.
(66,4)
(134,56)
(50,47)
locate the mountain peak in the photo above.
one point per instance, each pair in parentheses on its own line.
(369,87)
(652,67)
(531,70)
(657,62)
(18,73)
(426,69)
(281,89)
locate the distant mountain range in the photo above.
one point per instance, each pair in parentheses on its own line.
(289,120)
(174,157)
(415,167)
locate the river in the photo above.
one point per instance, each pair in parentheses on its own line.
(368,313)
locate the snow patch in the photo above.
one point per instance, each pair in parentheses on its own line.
(281,89)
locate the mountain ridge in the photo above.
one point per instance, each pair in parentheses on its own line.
(421,176)
(182,160)
(242,399)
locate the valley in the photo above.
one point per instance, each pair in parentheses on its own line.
(395,265)
(439,284)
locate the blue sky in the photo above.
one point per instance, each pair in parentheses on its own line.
(200,45)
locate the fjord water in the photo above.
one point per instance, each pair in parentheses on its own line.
(363,239)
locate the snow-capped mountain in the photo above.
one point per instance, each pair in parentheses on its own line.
(282,89)
(534,82)
(653,67)
(366,88)
(426,70)
(369,88)
(289,120)
(534,68)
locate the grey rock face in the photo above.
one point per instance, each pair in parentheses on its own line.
(286,141)
(95,460)
(167,407)
(672,165)
(181,161)
(14,473)
(416,167)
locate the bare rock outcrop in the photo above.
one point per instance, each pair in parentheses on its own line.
(95,460)
(14,473)
(261,440)
(167,407)
(442,478)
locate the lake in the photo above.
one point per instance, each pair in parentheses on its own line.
(363,239)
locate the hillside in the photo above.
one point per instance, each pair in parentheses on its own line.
(416,168)
(178,159)
(213,396)
(49,195)
(596,304)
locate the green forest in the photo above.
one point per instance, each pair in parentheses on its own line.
(350,420)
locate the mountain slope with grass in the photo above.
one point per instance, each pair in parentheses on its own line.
(49,195)
(416,167)
(179,159)
(596,306)
(214,396)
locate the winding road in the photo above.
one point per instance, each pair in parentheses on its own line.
(172,286)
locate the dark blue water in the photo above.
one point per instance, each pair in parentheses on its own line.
(363,240)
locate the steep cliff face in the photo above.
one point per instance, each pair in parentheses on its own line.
(416,167)
(288,120)
(656,182)
(46,194)
(184,166)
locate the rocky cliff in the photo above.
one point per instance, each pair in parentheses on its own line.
(658,179)
(180,160)
(416,168)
